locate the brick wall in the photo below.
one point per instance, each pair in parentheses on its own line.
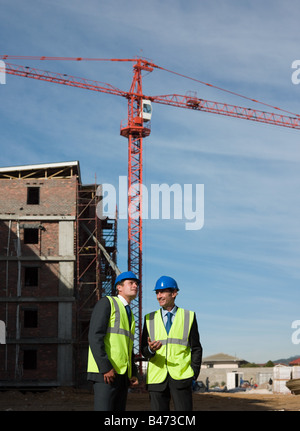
(38,344)
(57,197)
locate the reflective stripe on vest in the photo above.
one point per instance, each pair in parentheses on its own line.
(183,341)
(116,328)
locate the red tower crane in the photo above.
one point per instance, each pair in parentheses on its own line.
(138,127)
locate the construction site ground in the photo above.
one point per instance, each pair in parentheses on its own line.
(70,399)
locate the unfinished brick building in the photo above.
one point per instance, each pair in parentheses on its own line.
(52,272)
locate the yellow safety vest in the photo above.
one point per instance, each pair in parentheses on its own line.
(174,357)
(118,340)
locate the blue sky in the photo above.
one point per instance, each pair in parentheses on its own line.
(240,273)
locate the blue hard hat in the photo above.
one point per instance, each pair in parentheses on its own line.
(127,275)
(165,282)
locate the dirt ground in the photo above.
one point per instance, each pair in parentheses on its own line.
(70,399)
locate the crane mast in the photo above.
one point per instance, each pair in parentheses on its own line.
(135,131)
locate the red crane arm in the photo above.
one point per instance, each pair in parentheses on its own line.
(188,101)
(58,78)
(192,102)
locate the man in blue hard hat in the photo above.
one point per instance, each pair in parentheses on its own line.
(111,334)
(171,342)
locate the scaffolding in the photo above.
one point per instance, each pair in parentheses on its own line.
(96,244)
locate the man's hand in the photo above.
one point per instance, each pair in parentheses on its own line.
(154,345)
(109,377)
(133,381)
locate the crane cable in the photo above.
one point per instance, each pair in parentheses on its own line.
(226,91)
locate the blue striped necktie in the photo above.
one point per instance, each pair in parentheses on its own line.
(169,322)
(128,314)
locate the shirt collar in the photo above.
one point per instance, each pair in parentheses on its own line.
(123,300)
(173,311)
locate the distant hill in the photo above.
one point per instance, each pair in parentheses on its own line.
(287,360)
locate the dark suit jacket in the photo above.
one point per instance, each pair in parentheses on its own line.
(196,353)
(97,331)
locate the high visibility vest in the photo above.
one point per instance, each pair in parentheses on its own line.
(174,356)
(118,340)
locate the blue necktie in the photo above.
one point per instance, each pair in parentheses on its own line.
(128,314)
(169,322)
